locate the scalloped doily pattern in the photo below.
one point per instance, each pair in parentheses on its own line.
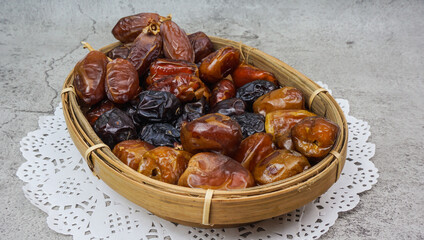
(58,181)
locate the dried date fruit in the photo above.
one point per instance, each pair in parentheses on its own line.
(96,111)
(131,111)
(201,44)
(253,149)
(160,134)
(186,87)
(89,77)
(192,111)
(115,126)
(253,90)
(281,121)
(130,152)
(120,52)
(219,64)
(165,67)
(279,165)
(224,89)
(314,137)
(229,107)
(128,28)
(215,171)
(246,73)
(147,47)
(157,106)
(250,123)
(164,164)
(284,141)
(122,82)
(283,98)
(211,132)
(175,42)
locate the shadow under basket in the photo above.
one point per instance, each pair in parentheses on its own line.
(218,208)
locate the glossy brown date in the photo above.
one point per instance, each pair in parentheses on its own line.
(165,67)
(229,107)
(215,171)
(186,87)
(122,83)
(128,28)
(279,99)
(176,44)
(165,164)
(211,132)
(201,44)
(94,113)
(219,64)
(314,137)
(281,121)
(246,73)
(253,149)
(279,165)
(146,48)
(89,77)
(130,152)
(224,89)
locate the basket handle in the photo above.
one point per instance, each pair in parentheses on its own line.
(338,158)
(207,207)
(89,151)
(314,94)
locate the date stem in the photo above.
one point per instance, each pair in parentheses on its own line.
(90,48)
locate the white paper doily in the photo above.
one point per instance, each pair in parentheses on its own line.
(59,182)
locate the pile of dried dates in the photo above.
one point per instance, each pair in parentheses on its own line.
(179,111)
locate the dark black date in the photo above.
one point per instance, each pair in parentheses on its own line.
(192,111)
(157,106)
(160,134)
(250,123)
(253,90)
(115,126)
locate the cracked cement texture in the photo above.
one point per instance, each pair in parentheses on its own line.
(368,52)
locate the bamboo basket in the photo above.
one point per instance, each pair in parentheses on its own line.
(208,208)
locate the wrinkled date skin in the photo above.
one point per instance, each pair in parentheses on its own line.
(160,134)
(314,137)
(283,98)
(219,64)
(253,90)
(279,165)
(211,132)
(253,149)
(246,73)
(157,106)
(120,52)
(115,126)
(192,111)
(250,123)
(229,107)
(215,171)
(176,44)
(122,82)
(186,87)
(224,89)
(94,113)
(128,28)
(146,48)
(201,44)
(130,152)
(281,121)
(89,77)
(165,67)
(164,164)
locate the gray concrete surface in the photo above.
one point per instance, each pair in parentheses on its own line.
(369,52)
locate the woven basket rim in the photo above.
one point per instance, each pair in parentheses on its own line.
(298,181)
